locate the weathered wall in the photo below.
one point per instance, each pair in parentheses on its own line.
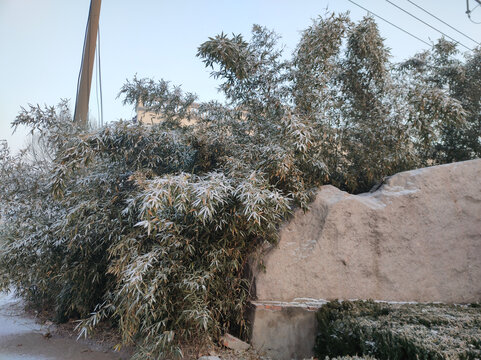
(417,238)
(284,332)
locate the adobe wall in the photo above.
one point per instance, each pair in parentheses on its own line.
(417,238)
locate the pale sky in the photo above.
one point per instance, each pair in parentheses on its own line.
(41,42)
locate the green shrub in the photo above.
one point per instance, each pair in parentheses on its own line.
(410,331)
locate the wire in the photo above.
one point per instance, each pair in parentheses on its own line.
(100,80)
(444,22)
(468,12)
(474,22)
(98,83)
(97,87)
(425,23)
(390,23)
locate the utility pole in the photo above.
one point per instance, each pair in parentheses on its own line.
(86,69)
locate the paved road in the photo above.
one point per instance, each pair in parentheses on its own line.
(21,338)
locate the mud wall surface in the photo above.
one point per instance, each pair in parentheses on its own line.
(416,238)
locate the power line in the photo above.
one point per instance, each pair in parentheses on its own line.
(97,87)
(468,12)
(98,84)
(390,23)
(474,22)
(100,81)
(444,22)
(432,27)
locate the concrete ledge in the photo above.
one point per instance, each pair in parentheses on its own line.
(285,330)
